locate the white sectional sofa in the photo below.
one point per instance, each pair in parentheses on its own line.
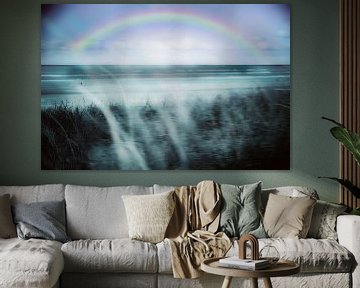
(100,253)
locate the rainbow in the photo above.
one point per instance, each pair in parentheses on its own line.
(145,18)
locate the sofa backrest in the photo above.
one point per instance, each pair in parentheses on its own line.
(293,191)
(98,212)
(162,188)
(36,193)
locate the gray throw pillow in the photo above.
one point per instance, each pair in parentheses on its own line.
(44,220)
(7,226)
(240,213)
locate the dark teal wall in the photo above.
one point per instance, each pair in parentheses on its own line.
(314,94)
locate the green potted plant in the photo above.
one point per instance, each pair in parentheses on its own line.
(351,141)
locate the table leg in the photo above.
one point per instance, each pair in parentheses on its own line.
(227,282)
(254,282)
(267,283)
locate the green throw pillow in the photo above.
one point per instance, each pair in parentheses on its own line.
(240,212)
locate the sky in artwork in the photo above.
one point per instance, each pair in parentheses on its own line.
(165,34)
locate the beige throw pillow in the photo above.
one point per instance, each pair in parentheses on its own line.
(7,226)
(288,217)
(149,215)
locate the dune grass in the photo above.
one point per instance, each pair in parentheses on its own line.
(229,132)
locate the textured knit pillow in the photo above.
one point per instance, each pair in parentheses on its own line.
(149,215)
(323,222)
(43,220)
(288,217)
(7,226)
(240,213)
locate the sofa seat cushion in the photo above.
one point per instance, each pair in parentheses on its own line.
(164,257)
(110,255)
(313,255)
(30,263)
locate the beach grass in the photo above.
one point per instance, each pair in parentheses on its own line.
(229,132)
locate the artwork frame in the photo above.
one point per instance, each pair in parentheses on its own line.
(165,87)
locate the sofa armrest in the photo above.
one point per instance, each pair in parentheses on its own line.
(348,230)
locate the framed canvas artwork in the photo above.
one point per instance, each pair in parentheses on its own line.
(165,86)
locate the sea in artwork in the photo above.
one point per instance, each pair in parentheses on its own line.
(157,117)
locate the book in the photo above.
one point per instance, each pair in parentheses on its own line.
(249,264)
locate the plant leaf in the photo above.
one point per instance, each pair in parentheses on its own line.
(333,121)
(349,139)
(348,185)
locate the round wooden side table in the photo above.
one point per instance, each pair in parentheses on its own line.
(281,268)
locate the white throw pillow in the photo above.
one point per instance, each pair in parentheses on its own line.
(149,215)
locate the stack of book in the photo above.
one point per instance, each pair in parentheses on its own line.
(236,262)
